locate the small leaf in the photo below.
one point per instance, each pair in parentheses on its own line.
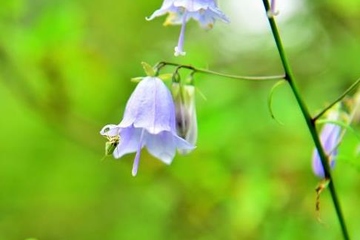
(165,76)
(137,79)
(148,69)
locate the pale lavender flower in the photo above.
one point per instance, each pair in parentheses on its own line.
(329,137)
(186,121)
(149,121)
(180,11)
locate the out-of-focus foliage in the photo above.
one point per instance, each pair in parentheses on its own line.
(65,68)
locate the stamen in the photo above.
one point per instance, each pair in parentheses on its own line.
(137,156)
(179,48)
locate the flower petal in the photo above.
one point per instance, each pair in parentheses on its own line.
(129,143)
(137,155)
(329,137)
(110,130)
(165,7)
(163,145)
(150,107)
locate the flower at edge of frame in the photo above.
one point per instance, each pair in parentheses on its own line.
(186,121)
(329,137)
(203,11)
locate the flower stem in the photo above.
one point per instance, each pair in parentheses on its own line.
(205,71)
(337,100)
(309,121)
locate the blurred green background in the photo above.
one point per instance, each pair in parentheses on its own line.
(65,68)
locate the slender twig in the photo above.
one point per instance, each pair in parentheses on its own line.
(205,71)
(309,121)
(354,85)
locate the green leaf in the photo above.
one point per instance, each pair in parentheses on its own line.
(148,69)
(137,79)
(165,76)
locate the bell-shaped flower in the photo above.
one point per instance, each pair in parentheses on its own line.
(330,139)
(149,121)
(186,121)
(180,11)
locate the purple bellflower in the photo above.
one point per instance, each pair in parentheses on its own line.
(180,11)
(330,139)
(149,121)
(186,121)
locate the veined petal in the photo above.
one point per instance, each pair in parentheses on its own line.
(207,18)
(182,144)
(150,107)
(194,5)
(161,146)
(129,143)
(164,144)
(110,130)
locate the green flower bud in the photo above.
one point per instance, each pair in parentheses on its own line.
(186,121)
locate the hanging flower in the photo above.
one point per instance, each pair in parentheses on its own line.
(149,121)
(180,11)
(186,122)
(330,139)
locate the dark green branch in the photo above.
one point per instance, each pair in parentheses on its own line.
(309,121)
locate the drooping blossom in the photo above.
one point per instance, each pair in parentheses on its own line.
(186,121)
(180,11)
(149,121)
(329,137)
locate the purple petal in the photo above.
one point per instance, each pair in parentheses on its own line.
(137,156)
(110,130)
(329,138)
(150,107)
(179,48)
(130,140)
(163,145)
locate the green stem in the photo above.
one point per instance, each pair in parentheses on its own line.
(309,121)
(200,70)
(337,100)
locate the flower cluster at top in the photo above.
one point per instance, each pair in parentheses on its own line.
(181,11)
(156,119)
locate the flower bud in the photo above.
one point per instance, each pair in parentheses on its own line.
(330,137)
(185,111)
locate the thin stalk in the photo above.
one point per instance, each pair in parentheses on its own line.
(205,71)
(337,100)
(309,121)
